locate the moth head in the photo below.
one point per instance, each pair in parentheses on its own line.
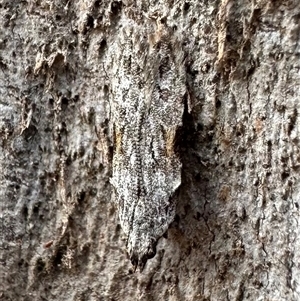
(140,251)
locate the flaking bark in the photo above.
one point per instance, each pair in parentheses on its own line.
(235,235)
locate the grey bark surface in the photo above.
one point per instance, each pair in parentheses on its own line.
(236,232)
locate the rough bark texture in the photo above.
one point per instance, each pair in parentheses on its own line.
(236,233)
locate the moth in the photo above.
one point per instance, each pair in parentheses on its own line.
(148,88)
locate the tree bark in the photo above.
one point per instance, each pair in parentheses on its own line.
(236,232)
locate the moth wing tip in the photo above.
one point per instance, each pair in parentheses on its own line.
(139,258)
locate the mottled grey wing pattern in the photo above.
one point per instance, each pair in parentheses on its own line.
(148,87)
